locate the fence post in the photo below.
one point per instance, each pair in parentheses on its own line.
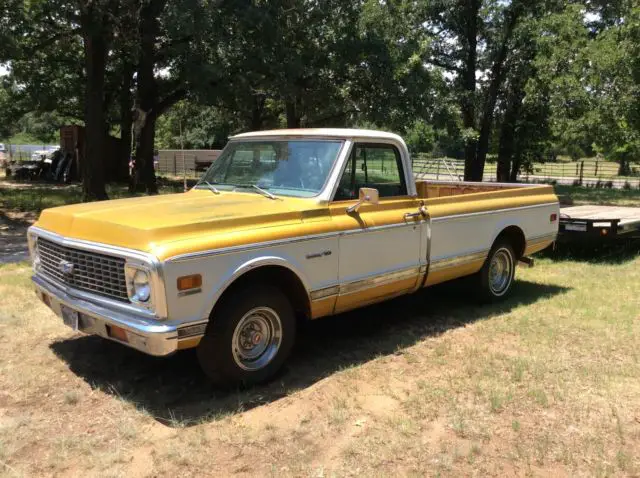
(175,165)
(438,171)
(596,173)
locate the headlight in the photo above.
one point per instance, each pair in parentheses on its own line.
(36,256)
(141,287)
(35,252)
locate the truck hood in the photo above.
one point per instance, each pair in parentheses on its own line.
(149,223)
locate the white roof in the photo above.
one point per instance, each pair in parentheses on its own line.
(343,133)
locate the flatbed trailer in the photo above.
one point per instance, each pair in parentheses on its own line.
(593,223)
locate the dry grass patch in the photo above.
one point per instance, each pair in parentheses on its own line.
(547,383)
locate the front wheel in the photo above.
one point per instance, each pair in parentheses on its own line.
(497,273)
(249,336)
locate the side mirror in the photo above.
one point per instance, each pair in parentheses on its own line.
(366,195)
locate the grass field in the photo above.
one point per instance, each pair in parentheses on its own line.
(544,384)
(609,197)
(547,383)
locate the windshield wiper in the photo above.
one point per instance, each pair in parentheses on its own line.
(257,188)
(211,187)
(263,192)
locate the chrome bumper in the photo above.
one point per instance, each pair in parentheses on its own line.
(148,336)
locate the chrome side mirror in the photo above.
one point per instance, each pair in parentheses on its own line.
(366,195)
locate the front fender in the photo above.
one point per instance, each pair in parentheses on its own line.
(219,272)
(254,263)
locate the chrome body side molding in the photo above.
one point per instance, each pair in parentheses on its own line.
(366,283)
(456,261)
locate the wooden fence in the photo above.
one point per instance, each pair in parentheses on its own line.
(193,162)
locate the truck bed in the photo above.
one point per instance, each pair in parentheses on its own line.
(438,189)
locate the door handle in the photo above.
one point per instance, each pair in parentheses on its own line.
(422,212)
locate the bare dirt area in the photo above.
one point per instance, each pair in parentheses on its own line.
(13,235)
(544,384)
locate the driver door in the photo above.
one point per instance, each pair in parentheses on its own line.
(380,256)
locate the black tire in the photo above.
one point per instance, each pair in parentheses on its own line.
(489,288)
(221,357)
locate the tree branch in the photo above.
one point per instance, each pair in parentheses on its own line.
(442,64)
(170,100)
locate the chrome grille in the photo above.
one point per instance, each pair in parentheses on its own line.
(92,272)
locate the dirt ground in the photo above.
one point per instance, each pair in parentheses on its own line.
(13,236)
(544,384)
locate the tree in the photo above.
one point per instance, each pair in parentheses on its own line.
(468,37)
(589,72)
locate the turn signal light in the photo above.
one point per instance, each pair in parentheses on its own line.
(189,282)
(118,333)
(554,217)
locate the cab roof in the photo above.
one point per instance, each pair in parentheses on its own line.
(341,133)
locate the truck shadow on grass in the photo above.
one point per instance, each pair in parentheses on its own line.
(176,392)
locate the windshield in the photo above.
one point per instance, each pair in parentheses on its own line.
(283,167)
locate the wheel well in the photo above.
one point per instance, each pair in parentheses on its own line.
(515,237)
(278,276)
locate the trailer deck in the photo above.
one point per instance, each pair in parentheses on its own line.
(592,222)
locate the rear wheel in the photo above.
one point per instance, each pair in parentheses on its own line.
(249,336)
(497,273)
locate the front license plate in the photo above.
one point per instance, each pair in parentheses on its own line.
(575,227)
(69,317)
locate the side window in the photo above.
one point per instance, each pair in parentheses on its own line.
(376,166)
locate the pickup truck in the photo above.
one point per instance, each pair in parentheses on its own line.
(285,225)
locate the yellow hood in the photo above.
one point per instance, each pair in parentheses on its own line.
(146,223)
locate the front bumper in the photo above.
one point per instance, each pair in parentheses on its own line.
(143,334)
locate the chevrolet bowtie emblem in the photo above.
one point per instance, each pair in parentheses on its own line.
(65,267)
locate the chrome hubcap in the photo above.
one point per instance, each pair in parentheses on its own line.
(256,338)
(500,271)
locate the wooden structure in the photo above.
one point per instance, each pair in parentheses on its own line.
(190,162)
(72,141)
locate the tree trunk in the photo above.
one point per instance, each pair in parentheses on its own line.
(147,142)
(624,169)
(509,158)
(126,124)
(497,70)
(147,95)
(257,112)
(505,150)
(515,168)
(95,51)
(469,83)
(292,109)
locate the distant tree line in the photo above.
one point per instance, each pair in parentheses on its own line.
(523,80)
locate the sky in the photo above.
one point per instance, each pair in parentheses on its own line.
(3,70)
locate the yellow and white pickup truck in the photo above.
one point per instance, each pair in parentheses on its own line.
(286,225)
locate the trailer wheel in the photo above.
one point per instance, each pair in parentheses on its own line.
(497,273)
(249,336)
